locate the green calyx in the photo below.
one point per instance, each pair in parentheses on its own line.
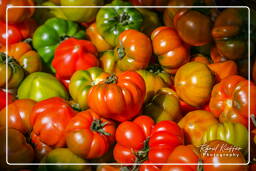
(98,126)
(112,79)
(11,61)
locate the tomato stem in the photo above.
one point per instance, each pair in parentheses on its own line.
(200,166)
(98,126)
(120,50)
(253,120)
(112,79)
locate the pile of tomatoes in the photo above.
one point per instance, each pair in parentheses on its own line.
(152,89)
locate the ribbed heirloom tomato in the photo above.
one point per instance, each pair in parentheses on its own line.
(49,119)
(89,136)
(230,100)
(119,97)
(142,140)
(171,51)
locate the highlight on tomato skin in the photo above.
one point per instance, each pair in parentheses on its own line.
(126,85)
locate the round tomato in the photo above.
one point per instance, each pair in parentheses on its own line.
(171,51)
(27,58)
(15,72)
(164,106)
(141,139)
(107,168)
(3,101)
(88,135)
(16,15)
(118,97)
(154,74)
(18,115)
(81,82)
(19,151)
(193,27)
(183,154)
(195,124)
(72,55)
(97,39)
(49,119)
(218,152)
(40,86)
(193,83)
(230,100)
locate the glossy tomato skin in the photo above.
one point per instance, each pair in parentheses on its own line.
(229,99)
(80,14)
(200,58)
(172,53)
(183,154)
(232,133)
(16,15)
(72,55)
(164,106)
(26,57)
(193,27)
(111,22)
(195,123)
(125,91)
(18,115)
(41,86)
(3,94)
(221,148)
(63,155)
(19,151)
(81,82)
(88,135)
(47,37)
(96,38)
(58,113)
(107,168)
(193,83)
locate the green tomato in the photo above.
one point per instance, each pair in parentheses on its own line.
(233,133)
(40,86)
(62,155)
(80,14)
(111,22)
(48,36)
(81,82)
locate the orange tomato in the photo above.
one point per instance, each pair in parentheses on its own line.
(108,168)
(216,56)
(195,123)
(200,58)
(171,51)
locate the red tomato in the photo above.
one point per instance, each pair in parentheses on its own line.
(118,97)
(230,99)
(88,135)
(3,99)
(72,55)
(141,139)
(49,119)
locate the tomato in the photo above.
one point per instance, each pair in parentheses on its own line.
(15,72)
(40,86)
(149,2)
(195,123)
(18,115)
(82,81)
(230,32)
(96,38)
(193,83)
(10,99)
(171,51)
(107,168)
(19,151)
(193,27)
(216,57)
(164,106)
(223,69)
(26,57)
(149,167)
(63,155)
(88,135)
(16,15)
(111,22)
(218,152)
(233,133)
(154,74)
(80,14)
(41,149)
(200,58)
(230,100)
(72,55)
(183,154)
(125,91)
(141,139)
(57,113)
(48,36)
